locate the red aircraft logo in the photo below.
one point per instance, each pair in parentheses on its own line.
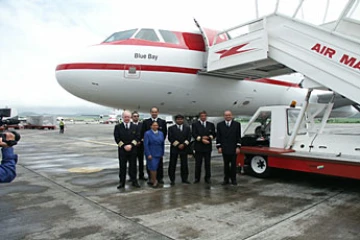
(234,50)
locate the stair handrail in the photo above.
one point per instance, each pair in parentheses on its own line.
(240,26)
(345,11)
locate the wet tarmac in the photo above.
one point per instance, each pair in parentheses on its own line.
(66,189)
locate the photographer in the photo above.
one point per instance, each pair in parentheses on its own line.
(9,159)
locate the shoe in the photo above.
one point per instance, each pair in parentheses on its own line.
(172,183)
(196,181)
(208,181)
(121,186)
(234,183)
(156,184)
(135,184)
(186,182)
(225,183)
(149,183)
(143,178)
(161,181)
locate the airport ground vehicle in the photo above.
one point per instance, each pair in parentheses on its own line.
(41,122)
(291,138)
(50,127)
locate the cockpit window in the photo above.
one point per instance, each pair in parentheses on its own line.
(169,36)
(123,35)
(147,34)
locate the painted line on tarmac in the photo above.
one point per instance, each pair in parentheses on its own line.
(91,141)
(90,169)
(85,170)
(100,143)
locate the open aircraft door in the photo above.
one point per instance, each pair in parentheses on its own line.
(209,36)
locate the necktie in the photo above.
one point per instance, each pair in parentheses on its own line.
(227,124)
(204,124)
(127,126)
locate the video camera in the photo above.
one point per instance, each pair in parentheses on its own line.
(6,112)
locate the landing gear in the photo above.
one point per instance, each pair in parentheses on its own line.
(191,119)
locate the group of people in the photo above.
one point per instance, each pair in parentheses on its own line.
(137,139)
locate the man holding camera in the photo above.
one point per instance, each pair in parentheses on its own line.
(9,158)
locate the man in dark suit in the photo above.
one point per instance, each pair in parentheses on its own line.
(127,135)
(203,132)
(154,111)
(228,142)
(179,138)
(140,146)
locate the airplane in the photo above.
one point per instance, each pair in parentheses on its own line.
(138,68)
(110,119)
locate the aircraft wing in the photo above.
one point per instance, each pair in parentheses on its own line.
(343,107)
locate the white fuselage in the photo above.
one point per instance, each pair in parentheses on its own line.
(167,78)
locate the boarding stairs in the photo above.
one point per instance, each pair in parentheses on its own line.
(327,55)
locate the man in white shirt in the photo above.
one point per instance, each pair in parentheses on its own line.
(228,142)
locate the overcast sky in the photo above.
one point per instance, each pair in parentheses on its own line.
(35,34)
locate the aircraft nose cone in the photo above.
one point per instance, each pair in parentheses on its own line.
(88,72)
(80,75)
(70,71)
(63,77)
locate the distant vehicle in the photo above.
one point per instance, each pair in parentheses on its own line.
(41,122)
(111,120)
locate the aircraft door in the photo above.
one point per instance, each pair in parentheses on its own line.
(209,36)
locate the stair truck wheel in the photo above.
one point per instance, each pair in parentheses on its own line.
(259,166)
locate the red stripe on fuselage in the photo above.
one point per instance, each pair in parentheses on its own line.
(114,66)
(156,68)
(276,82)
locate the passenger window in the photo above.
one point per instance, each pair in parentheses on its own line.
(147,34)
(169,36)
(123,35)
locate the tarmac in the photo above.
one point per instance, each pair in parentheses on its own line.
(66,189)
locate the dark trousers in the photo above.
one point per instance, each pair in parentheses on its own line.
(184,170)
(199,156)
(124,158)
(159,171)
(140,158)
(229,167)
(62,129)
